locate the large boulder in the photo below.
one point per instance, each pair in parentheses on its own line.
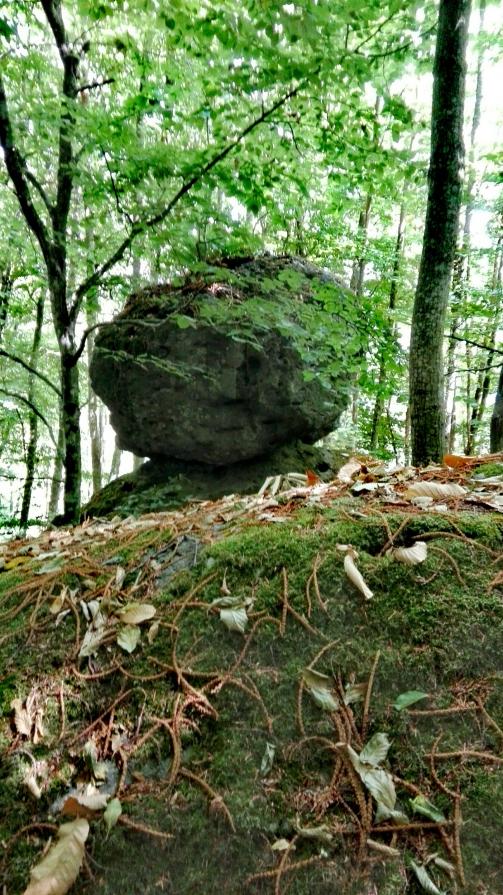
(228,365)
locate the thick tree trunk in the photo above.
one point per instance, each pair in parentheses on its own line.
(440,233)
(31,451)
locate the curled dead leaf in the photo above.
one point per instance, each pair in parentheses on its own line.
(411,556)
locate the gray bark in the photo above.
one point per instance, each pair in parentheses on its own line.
(440,233)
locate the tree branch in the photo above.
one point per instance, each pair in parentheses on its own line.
(158,218)
(475,344)
(95,84)
(40,190)
(16,168)
(52,9)
(70,60)
(115,191)
(22,363)
(34,409)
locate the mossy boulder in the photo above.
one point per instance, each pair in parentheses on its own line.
(165,484)
(228,365)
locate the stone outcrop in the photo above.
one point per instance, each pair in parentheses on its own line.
(168,484)
(226,366)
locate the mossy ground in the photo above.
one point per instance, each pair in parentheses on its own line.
(438,628)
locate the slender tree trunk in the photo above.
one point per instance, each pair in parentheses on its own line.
(406,436)
(439,241)
(380,398)
(57,473)
(31,450)
(95,421)
(461,272)
(6,283)
(70,408)
(452,419)
(115,465)
(360,262)
(93,403)
(497,418)
(357,278)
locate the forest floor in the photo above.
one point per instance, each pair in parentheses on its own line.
(212,700)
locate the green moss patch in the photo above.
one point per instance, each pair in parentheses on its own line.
(228,768)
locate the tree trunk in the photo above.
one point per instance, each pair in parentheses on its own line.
(497,419)
(380,398)
(70,411)
(95,423)
(461,273)
(439,241)
(31,451)
(478,405)
(57,473)
(6,283)
(116,464)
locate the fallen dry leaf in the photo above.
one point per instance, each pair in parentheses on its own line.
(22,718)
(436,490)
(59,868)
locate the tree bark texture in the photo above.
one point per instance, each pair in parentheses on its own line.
(440,234)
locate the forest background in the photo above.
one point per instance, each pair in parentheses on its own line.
(149,137)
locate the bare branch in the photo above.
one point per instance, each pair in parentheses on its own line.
(40,190)
(95,84)
(30,369)
(115,191)
(475,344)
(17,397)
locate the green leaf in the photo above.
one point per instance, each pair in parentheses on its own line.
(425,880)
(354,693)
(128,637)
(421,805)
(378,781)
(321,833)
(384,813)
(112,813)
(6,30)
(267,759)
(408,698)
(380,785)
(319,687)
(375,751)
